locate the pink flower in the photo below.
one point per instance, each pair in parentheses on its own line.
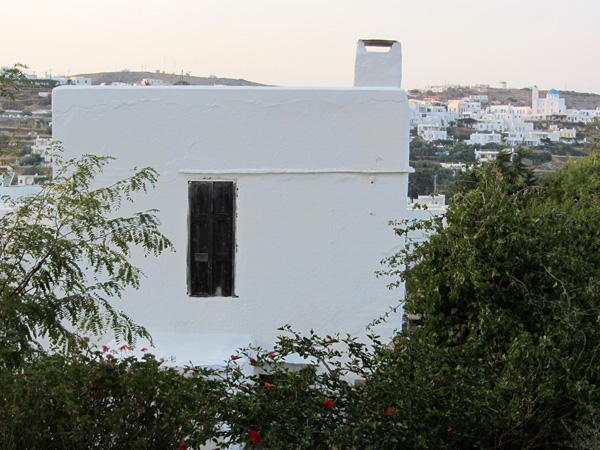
(328,404)
(254,436)
(252,361)
(144,349)
(389,411)
(27,374)
(268,385)
(450,432)
(234,357)
(271,355)
(105,348)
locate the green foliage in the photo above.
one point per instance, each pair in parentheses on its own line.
(428,177)
(506,357)
(32,160)
(538,158)
(509,280)
(64,253)
(111,399)
(10,79)
(36,170)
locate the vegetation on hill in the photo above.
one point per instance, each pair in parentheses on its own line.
(169,78)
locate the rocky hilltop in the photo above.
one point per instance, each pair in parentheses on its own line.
(169,78)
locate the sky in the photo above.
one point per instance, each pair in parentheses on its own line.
(549,43)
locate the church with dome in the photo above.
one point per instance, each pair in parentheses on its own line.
(548,106)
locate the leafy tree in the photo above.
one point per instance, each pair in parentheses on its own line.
(421,182)
(64,253)
(32,160)
(10,79)
(508,287)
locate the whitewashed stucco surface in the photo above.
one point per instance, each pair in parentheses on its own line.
(319,173)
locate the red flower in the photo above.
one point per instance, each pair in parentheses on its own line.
(389,411)
(94,396)
(252,361)
(109,356)
(234,357)
(105,348)
(144,349)
(124,347)
(271,355)
(302,383)
(450,432)
(328,404)
(27,373)
(254,436)
(268,385)
(182,446)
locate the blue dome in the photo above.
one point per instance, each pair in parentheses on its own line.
(553,92)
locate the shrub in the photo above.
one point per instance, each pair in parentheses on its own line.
(111,399)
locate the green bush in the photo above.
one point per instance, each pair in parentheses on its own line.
(111,399)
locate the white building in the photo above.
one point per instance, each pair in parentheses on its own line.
(306,180)
(557,134)
(484,138)
(42,147)
(509,112)
(30,180)
(432,132)
(583,115)
(80,81)
(463,108)
(426,112)
(490,125)
(551,105)
(489,155)
(153,82)
(478,97)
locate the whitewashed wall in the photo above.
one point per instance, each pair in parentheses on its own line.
(319,174)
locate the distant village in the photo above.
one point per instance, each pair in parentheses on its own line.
(498,124)
(445,134)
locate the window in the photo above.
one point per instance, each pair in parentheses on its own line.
(211,238)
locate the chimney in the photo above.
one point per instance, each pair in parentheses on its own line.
(378,68)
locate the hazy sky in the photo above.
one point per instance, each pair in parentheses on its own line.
(551,43)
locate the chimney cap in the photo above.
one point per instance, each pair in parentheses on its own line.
(377,42)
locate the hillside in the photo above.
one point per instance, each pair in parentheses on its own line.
(169,78)
(515,97)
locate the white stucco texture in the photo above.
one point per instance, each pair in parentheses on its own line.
(378,68)
(319,172)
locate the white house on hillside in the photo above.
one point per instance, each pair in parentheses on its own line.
(277,201)
(484,138)
(543,107)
